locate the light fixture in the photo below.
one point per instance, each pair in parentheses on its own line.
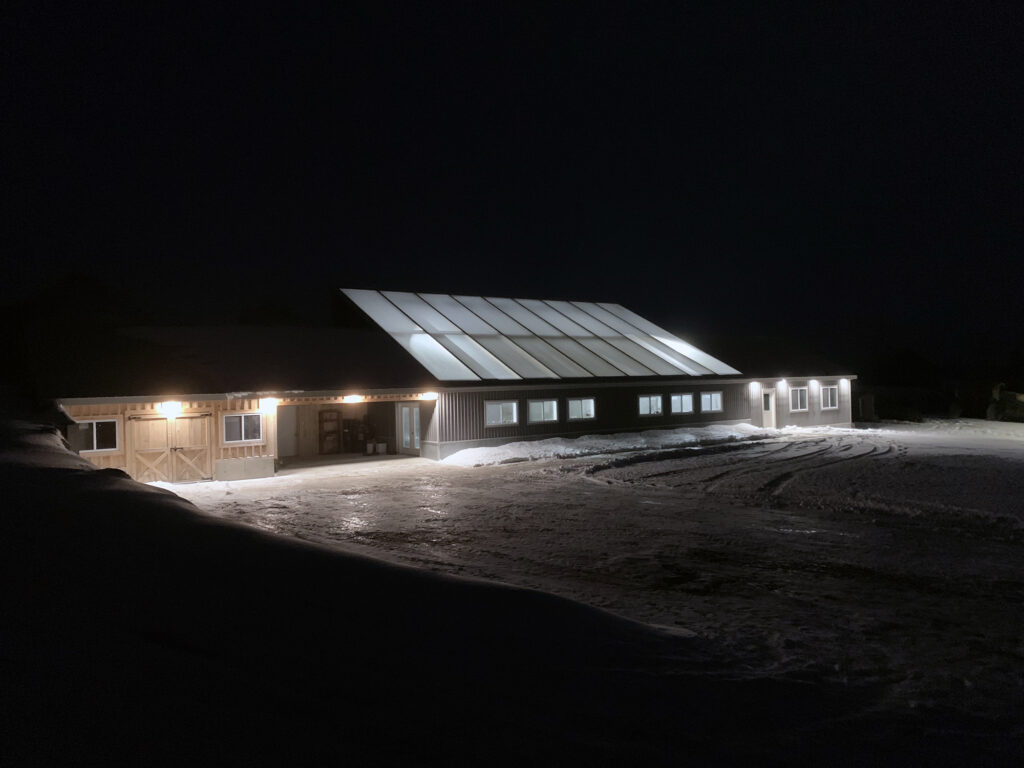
(428,395)
(268,405)
(169,408)
(352,399)
(754,386)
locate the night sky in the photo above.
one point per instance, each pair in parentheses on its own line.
(848,177)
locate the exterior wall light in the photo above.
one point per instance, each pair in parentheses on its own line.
(352,399)
(268,405)
(169,408)
(428,396)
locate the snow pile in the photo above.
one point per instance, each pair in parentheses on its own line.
(135,628)
(588,445)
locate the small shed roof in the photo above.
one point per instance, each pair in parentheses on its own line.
(475,338)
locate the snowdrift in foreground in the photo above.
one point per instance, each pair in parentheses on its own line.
(564,447)
(137,630)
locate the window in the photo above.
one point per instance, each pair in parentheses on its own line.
(798,399)
(682,403)
(542,410)
(98,435)
(650,405)
(581,408)
(501,412)
(829,398)
(710,402)
(243,428)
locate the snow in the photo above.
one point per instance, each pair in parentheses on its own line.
(835,596)
(560,447)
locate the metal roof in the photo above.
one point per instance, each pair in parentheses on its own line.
(473,338)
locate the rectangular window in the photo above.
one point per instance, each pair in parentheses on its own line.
(682,403)
(650,405)
(829,398)
(710,402)
(501,412)
(243,428)
(98,435)
(542,410)
(581,408)
(798,399)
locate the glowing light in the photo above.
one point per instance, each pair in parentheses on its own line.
(813,383)
(428,396)
(169,408)
(844,383)
(268,404)
(754,386)
(782,384)
(352,399)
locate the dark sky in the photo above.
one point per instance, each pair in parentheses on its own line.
(839,175)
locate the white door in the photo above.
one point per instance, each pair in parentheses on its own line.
(287,431)
(410,427)
(768,408)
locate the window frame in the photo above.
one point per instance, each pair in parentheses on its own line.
(241,414)
(531,401)
(807,403)
(515,404)
(710,394)
(681,411)
(661,405)
(834,387)
(568,408)
(102,419)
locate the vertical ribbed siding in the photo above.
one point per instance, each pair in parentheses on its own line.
(461,414)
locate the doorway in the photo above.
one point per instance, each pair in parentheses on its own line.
(768,408)
(409,425)
(171,450)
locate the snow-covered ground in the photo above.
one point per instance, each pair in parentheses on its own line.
(840,597)
(890,556)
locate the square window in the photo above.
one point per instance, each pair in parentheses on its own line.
(798,399)
(243,427)
(499,413)
(829,398)
(542,410)
(710,402)
(96,435)
(581,408)
(682,403)
(649,405)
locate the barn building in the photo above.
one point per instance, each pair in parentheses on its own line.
(428,375)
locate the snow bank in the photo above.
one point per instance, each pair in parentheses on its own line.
(562,447)
(136,629)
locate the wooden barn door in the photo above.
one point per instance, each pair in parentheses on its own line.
(330,431)
(150,459)
(170,450)
(190,449)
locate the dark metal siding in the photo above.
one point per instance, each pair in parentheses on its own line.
(461,414)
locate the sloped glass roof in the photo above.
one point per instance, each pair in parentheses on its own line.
(473,338)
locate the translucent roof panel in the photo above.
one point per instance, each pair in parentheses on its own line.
(635,335)
(465,318)
(660,334)
(469,338)
(492,315)
(476,357)
(424,315)
(645,357)
(521,314)
(543,351)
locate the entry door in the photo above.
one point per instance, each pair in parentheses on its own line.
(410,419)
(768,408)
(190,449)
